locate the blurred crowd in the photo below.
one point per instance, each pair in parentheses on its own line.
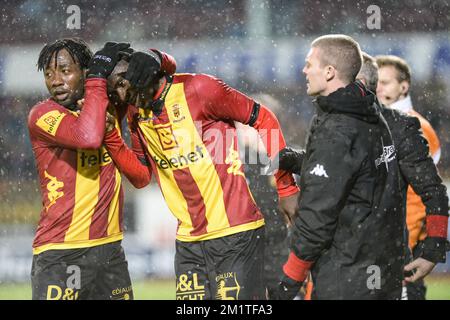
(41,20)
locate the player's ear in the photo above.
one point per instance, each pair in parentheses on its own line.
(330,73)
(404,87)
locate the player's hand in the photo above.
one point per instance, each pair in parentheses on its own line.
(80,104)
(143,69)
(291,160)
(420,268)
(104,60)
(288,207)
(287,289)
(110,122)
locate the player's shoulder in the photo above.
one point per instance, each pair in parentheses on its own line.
(199,80)
(43,107)
(397,118)
(45,114)
(336,129)
(426,126)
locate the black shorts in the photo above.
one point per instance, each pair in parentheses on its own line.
(95,273)
(227,268)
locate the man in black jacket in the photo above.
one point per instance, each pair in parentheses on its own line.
(419,171)
(349,230)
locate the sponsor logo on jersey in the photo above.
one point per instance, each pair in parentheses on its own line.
(180,161)
(91,158)
(234,161)
(53,192)
(166,137)
(50,121)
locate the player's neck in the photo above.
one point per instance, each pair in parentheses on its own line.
(333,86)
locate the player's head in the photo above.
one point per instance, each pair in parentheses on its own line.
(333,62)
(64,63)
(119,88)
(369,72)
(121,91)
(394,79)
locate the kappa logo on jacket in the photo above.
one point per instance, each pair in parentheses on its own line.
(319,171)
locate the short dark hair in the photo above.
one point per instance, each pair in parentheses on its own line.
(402,67)
(77,48)
(369,71)
(342,52)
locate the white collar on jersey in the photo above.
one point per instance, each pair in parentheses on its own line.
(404,105)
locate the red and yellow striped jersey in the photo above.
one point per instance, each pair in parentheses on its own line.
(80,186)
(193,151)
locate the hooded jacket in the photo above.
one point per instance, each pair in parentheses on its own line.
(351,224)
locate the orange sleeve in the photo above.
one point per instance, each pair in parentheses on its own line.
(431,136)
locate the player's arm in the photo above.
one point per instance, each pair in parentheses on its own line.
(419,171)
(291,160)
(59,127)
(130,162)
(325,182)
(222,102)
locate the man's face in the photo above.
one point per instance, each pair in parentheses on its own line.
(389,89)
(316,75)
(64,79)
(120,90)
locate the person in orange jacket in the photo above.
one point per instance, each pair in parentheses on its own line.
(393,87)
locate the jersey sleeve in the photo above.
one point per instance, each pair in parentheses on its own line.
(221,102)
(126,160)
(57,126)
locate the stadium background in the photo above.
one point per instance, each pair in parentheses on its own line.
(254,45)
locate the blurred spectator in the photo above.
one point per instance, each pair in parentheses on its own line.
(43,20)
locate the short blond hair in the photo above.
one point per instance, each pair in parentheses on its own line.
(402,67)
(342,52)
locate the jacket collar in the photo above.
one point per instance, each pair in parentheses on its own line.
(404,105)
(353,100)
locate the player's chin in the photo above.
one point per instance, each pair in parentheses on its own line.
(310,92)
(66,102)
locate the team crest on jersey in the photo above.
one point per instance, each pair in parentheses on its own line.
(176,109)
(50,121)
(166,137)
